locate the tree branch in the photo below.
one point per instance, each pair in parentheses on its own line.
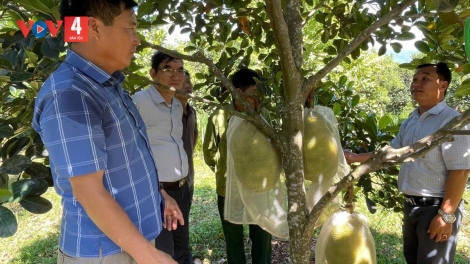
(294,22)
(193,96)
(388,157)
(290,72)
(314,79)
(419,15)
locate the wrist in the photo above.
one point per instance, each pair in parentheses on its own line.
(448,218)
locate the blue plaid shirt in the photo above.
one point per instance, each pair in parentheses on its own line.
(89,123)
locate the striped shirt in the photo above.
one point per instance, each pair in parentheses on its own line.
(426,176)
(89,123)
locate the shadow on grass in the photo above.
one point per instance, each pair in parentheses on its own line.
(41,251)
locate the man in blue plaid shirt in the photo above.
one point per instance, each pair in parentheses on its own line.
(98,147)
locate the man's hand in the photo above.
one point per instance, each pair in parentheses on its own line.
(151,255)
(439,230)
(172,213)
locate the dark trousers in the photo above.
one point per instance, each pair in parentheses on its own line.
(417,246)
(260,240)
(176,242)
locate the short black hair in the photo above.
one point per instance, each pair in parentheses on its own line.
(160,57)
(245,78)
(105,10)
(442,70)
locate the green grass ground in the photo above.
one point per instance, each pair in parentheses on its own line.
(36,239)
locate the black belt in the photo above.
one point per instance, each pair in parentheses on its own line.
(173,185)
(422,201)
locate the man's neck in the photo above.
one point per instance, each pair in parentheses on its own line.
(84,52)
(166,94)
(424,108)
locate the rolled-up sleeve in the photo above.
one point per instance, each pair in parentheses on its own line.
(456,154)
(71,128)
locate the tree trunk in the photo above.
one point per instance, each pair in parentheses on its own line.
(292,159)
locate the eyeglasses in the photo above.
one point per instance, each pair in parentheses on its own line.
(170,72)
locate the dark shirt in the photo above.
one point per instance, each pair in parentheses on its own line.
(190,139)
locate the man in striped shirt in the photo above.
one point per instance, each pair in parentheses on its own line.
(99,152)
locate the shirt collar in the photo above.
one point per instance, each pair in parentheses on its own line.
(433,111)
(93,71)
(157,97)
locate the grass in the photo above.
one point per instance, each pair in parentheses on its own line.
(37,236)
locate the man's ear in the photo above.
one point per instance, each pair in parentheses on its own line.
(240,91)
(152,72)
(93,26)
(443,85)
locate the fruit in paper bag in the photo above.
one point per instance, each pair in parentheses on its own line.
(346,238)
(320,148)
(257,163)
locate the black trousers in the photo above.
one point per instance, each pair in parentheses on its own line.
(418,248)
(260,239)
(176,242)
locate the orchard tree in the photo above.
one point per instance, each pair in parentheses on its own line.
(274,36)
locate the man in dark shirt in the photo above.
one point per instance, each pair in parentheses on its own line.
(190,132)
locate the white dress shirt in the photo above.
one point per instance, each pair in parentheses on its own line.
(165,131)
(427,176)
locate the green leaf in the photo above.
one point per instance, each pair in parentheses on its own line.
(186,30)
(36,205)
(336,108)
(464,14)
(50,47)
(4,180)
(34,5)
(4,63)
(355,100)
(15,164)
(405,36)
(449,18)
(23,188)
(5,195)
(342,80)
(396,47)
(382,50)
(6,130)
(55,12)
(467,37)
(384,121)
(39,187)
(8,223)
(145,8)
(33,57)
(244,43)
(422,46)
(20,76)
(463,90)
(446,5)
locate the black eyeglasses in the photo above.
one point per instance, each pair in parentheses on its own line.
(170,72)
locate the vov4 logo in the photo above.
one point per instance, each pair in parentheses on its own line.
(75,28)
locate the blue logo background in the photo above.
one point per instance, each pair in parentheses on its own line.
(44,31)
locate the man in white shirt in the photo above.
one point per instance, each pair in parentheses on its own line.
(433,185)
(162,115)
